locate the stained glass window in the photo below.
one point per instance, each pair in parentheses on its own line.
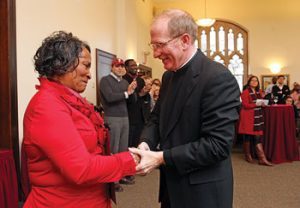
(226,43)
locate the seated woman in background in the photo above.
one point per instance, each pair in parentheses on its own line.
(295,95)
(251,120)
(65,140)
(289,101)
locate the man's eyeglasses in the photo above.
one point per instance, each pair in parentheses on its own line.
(163,44)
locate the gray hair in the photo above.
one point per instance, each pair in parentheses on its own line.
(180,22)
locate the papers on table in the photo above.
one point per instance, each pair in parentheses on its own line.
(260,101)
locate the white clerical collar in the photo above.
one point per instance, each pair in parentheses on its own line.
(114,76)
(193,54)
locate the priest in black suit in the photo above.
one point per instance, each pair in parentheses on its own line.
(193,122)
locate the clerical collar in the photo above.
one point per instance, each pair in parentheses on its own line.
(114,76)
(183,65)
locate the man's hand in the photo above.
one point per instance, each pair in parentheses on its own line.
(131,87)
(144,146)
(149,160)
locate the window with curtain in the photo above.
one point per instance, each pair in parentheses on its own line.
(226,43)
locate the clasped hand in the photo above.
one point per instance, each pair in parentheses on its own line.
(148,160)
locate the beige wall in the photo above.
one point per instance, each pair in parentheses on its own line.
(122,27)
(117,26)
(273,25)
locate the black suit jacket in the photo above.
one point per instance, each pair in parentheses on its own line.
(196,137)
(281,93)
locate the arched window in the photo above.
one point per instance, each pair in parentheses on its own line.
(226,43)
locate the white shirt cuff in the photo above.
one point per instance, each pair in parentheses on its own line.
(126,95)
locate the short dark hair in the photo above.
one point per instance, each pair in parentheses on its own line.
(274,80)
(289,97)
(127,62)
(58,54)
(280,76)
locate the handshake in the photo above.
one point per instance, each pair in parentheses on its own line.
(145,159)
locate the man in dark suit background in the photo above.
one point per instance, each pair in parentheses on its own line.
(193,121)
(281,91)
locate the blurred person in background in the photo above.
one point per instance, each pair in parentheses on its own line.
(114,94)
(154,92)
(251,121)
(280,90)
(295,94)
(270,86)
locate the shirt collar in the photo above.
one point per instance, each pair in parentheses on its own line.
(193,54)
(114,76)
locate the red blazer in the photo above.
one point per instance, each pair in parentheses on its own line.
(65,163)
(246,122)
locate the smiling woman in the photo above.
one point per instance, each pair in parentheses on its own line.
(77,78)
(65,141)
(66,59)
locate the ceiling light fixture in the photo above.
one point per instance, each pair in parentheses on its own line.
(205,22)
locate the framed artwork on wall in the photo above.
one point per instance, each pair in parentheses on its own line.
(103,68)
(267,79)
(144,70)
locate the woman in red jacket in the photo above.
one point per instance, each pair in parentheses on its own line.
(65,140)
(251,120)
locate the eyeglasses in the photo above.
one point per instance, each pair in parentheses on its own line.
(154,46)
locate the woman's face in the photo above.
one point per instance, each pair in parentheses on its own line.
(289,101)
(78,78)
(253,82)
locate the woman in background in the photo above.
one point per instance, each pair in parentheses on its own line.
(154,92)
(251,120)
(65,140)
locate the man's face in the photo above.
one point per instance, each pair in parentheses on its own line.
(280,80)
(167,49)
(118,70)
(132,67)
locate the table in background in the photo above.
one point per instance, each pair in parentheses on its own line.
(280,143)
(8,180)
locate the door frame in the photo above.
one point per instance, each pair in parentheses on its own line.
(9,129)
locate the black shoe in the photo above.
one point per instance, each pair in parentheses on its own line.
(118,187)
(126,181)
(130,178)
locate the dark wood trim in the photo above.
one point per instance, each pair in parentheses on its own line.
(9,130)
(4,82)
